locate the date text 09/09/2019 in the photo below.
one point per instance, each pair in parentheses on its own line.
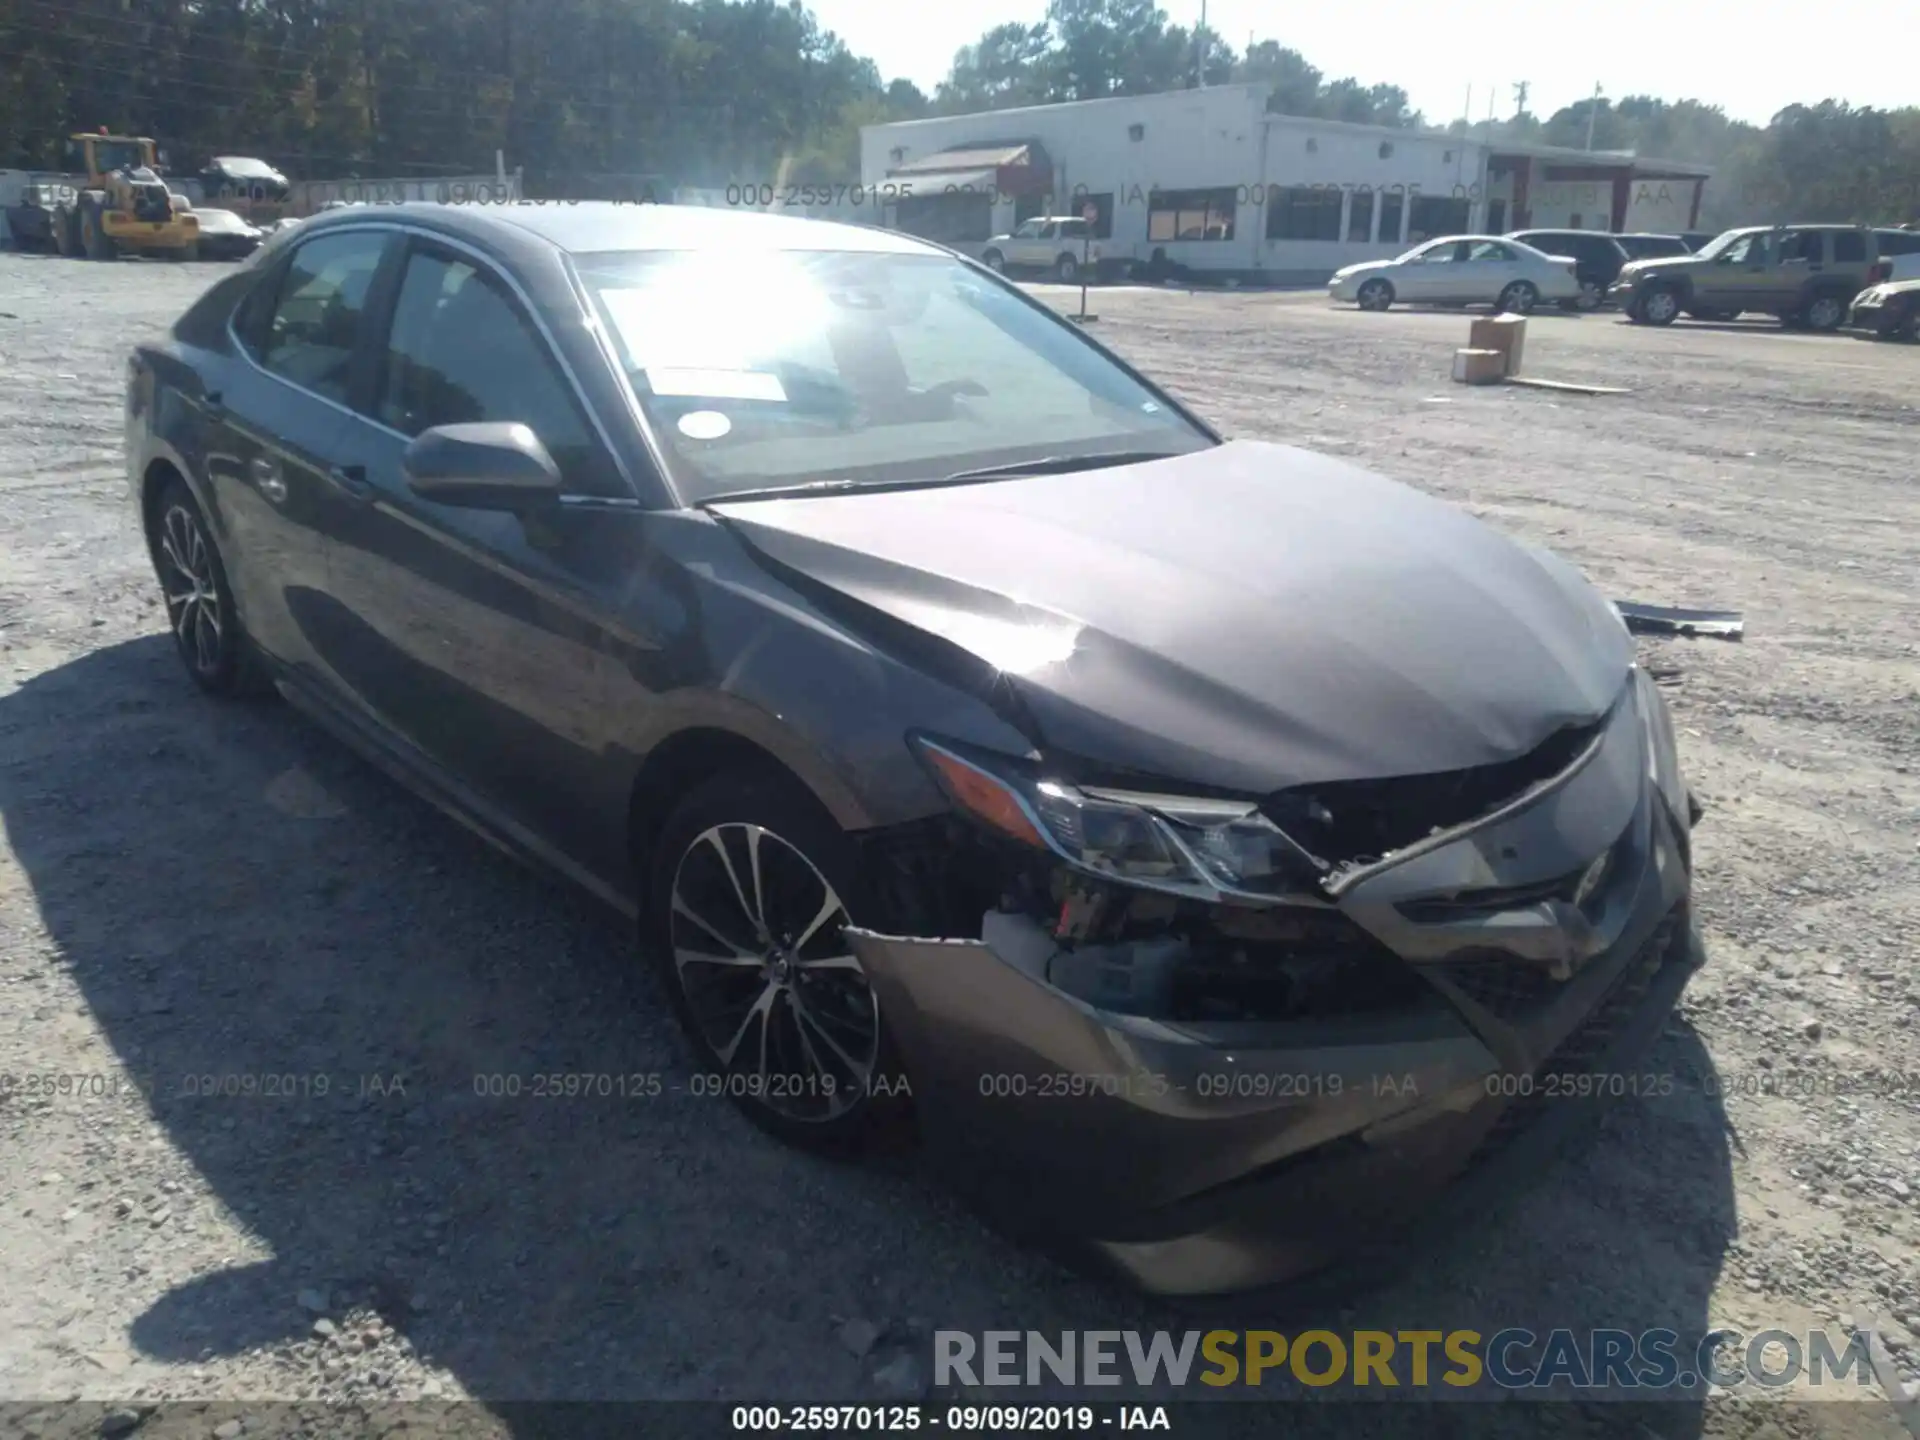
(953,1419)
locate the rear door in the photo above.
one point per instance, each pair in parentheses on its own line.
(1801,258)
(474,638)
(274,429)
(1489,268)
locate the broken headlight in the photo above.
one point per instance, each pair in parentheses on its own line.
(1185,845)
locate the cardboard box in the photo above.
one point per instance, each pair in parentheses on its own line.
(1505,333)
(1479,367)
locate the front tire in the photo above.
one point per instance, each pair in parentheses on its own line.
(1659,307)
(94,240)
(198,597)
(1374,295)
(1519,298)
(1066,270)
(751,887)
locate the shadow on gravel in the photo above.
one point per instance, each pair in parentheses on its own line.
(330,990)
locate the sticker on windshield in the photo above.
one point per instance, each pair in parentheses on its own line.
(717,384)
(704,425)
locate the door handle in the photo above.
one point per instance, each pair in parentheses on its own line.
(352,479)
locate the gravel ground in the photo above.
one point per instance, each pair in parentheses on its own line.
(190,889)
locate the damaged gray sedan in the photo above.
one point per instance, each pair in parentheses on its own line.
(1213,851)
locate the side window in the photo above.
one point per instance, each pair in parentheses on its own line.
(1849,247)
(1490,250)
(315,324)
(1898,242)
(251,315)
(460,352)
(1803,246)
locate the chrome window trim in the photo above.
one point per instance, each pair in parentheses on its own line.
(481,262)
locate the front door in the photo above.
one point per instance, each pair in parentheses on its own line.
(475,638)
(1433,273)
(272,429)
(1740,277)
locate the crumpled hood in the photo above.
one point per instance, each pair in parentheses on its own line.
(1248,617)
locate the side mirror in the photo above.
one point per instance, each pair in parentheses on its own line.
(493,465)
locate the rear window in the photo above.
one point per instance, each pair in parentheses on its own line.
(1898,242)
(1849,245)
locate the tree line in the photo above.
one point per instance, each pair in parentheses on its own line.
(594,97)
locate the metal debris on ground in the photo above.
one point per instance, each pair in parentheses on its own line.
(1568,386)
(1668,620)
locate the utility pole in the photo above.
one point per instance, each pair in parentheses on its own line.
(1593,113)
(1200,49)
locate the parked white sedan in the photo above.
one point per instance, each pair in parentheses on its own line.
(1460,270)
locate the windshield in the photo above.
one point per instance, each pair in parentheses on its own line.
(800,367)
(112,155)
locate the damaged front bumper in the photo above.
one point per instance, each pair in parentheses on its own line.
(1202,1157)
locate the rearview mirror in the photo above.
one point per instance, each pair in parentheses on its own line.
(492,465)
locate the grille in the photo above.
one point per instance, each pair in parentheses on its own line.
(1505,987)
(1580,1050)
(1357,821)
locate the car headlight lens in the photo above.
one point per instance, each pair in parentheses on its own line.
(1186,845)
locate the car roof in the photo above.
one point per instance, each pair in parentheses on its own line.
(591,226)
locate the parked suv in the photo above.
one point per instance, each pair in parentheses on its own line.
(1596,260)
(1056,244)
(1806,275)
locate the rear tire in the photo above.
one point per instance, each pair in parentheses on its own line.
(199,598)
(1519,298)
(1066,270)
(1824,313)
(778,1013)
(995,261)
(1374,295)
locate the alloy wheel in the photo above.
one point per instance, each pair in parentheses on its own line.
(1660,306)
(192,590)
(1590,296)
(759,948)
(1517,298)
(1825,313)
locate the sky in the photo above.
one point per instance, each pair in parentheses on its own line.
(1751,62)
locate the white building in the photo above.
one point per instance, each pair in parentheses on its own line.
(1208,180)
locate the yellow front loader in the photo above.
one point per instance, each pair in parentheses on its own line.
(122,206)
